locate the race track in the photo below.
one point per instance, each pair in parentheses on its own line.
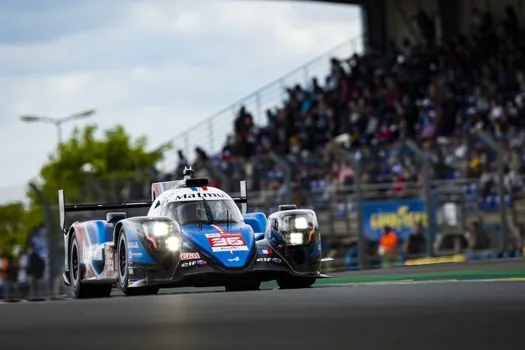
(440,315)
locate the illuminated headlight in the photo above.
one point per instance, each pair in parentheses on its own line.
(157,229)
(173,243)
(296,238)
(301,223)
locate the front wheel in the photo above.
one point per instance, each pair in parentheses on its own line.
(123,275)
(295,282)
(81,290)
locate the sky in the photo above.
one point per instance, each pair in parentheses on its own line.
(157,67)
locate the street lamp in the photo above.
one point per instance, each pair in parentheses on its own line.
(57,122)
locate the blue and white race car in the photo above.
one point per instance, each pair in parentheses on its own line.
(192,236)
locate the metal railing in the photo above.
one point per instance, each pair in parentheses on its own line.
(211,134)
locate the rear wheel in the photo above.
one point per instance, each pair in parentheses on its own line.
(243,286)
(123,272)
(295,282)
(82,290)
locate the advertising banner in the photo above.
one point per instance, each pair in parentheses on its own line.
(400,214)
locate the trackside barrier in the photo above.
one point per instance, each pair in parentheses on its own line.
(351,262)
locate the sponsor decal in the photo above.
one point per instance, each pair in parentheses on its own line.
(135,255)
(133,245)
(197,195)
(234,259)
(130,270)
(189,256)
(193,263)
(227,242)
(212,235)
(266,252)
(270,260)
(110,263)
(188,264)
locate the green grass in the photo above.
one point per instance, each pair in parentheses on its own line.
(460,275)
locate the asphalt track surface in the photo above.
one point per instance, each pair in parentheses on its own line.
(439,315)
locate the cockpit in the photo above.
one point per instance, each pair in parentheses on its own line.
(203,212)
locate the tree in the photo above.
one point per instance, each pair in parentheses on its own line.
(95,169)
(14,226)
(89,169)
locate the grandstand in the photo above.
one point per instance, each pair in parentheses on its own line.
(424,88)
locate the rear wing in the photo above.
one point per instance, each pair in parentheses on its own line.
(243,199)
(64,209)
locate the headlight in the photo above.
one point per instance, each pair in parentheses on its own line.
(296,238)
(163,234)
(157,228)
(301,223)
(173,243)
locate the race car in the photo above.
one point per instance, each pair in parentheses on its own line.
(193,235)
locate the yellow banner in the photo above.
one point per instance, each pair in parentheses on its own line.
(437,260)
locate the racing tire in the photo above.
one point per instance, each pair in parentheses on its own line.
(83,290)
(243,286)
(123,271)
(295,282)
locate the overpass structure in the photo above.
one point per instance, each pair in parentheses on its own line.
(385,20)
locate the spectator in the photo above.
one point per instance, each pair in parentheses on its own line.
(35,272)
(414,245)
(23,285)
(3,268)
(10,275)
(388,247)
(477,237)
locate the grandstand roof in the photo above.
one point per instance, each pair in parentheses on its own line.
(350,2)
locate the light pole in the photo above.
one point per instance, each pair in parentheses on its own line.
(57,122)
(48,217)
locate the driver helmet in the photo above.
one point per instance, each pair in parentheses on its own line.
(200,211)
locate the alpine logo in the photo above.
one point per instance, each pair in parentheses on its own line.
(234,259)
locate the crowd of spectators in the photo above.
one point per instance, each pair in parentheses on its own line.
(436,93)
(22,275)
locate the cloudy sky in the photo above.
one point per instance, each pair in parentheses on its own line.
(158,67)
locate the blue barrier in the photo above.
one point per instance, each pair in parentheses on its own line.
(492,255)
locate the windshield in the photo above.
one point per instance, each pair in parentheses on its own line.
(204,212)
